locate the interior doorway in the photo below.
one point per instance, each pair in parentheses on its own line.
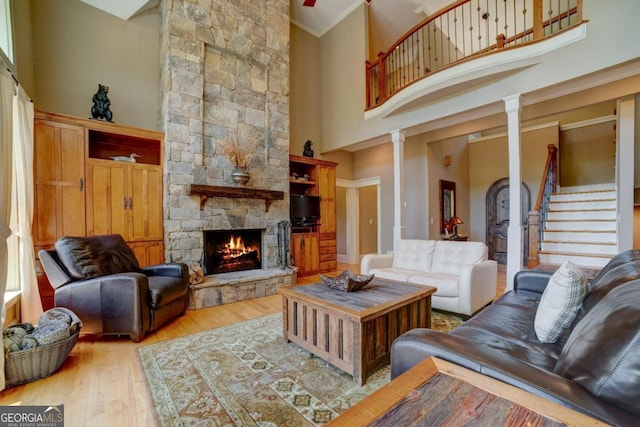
(358,218)
(497,205)
(368,221)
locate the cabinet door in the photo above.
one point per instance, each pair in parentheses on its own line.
(148,253)
(59,209)
(304,247)
(107,198)
(145,203)
(327,190)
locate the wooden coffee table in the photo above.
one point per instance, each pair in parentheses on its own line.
(354,330)
(438,393)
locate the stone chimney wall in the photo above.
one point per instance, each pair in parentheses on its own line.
(225,76)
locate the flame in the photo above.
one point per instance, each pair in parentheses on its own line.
(236,246)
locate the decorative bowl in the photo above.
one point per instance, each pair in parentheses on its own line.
(346,281)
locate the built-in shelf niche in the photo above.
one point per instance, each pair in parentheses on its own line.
(105,145)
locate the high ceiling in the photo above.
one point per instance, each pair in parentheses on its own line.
(393,16)
(123,9)
(390,18)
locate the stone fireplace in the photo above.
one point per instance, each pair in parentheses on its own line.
(227,251)
(225,76)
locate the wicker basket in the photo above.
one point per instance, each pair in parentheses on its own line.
(27,365)
(346,281)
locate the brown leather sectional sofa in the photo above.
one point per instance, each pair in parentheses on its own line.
(594,367)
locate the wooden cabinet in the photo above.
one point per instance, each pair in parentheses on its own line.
(125,199)
(149,252)
(314,177)
(327,228)
(59,178)
(81,190)
(304,247)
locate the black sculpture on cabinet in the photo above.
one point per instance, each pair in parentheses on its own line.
(101,103)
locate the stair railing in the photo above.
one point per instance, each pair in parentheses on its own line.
(464,29)
(538,216)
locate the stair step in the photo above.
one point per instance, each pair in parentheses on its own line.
(569,205)
(579,248)
(599,236)
(607,186)
(584,195)
(588,271)
(603,224)
(592,260)
(581,226)
(582,215)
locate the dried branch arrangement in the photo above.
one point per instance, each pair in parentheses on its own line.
(239,154)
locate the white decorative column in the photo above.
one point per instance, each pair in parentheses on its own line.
(625,158)
(514,238)
(397,137)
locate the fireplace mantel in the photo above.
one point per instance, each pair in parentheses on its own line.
(206,191)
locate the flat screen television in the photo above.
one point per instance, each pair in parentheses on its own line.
(304,210)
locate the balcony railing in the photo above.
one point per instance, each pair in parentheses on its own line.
(463,30)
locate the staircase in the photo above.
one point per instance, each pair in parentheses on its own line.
(581,226)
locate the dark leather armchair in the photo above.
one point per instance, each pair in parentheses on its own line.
(99,278)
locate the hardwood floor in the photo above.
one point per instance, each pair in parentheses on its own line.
(101,383)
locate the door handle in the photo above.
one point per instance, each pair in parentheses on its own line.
(124,202)
(130,202)
(81,184)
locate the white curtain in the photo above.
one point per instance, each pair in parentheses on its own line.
(7,88)
(30,304)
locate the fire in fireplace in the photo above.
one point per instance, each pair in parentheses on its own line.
(232,250)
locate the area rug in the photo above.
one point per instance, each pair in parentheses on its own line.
(245,374)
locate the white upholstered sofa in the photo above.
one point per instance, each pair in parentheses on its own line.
(465,278)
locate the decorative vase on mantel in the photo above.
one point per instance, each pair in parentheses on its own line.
(240,176)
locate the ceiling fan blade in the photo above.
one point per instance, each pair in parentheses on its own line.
(309,3)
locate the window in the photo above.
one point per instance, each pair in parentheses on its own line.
(6,39)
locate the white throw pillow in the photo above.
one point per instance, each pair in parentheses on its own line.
(560,302)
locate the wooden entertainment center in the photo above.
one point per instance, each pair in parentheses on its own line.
(313,245)
(81,190)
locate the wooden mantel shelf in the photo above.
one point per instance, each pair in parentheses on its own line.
(206,191)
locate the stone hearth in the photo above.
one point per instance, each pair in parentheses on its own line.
(227,288)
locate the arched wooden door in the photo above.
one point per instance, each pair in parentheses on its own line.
(497,202)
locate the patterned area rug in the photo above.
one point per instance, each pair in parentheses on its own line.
(246,375)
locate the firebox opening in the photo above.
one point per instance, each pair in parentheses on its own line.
(232,250)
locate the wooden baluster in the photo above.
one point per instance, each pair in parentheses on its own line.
(382,77)
(579,11)
(367,85)
(538,31)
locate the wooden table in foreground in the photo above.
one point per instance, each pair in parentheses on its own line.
(354,330)
(439,393)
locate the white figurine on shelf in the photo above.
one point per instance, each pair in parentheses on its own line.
(131,158)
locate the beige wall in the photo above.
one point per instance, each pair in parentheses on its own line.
(341,220)
(587,155)
(344,159)
(77,46)
(304,83)
(416,191)
(23,45)
(343,53)
(378,162)
(458,172)
(368,227)
(489,161)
